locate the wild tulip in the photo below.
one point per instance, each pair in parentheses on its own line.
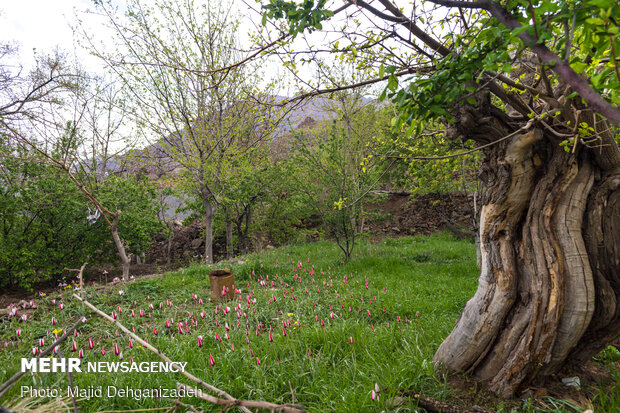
(102,351)
(81,353)
(74,346)
(130,360)
(180,329)
(61,306)
(211,360)
(251,353)
(41,342)
(116,351)
(53,321)
(270,337)
(56,349)
(155,330)
(90,343)
(130,343)
(199,341)
(35,351)
(257,361)
(232,347)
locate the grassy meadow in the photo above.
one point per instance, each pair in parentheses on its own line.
(305,328)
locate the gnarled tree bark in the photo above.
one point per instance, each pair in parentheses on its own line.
(549,285)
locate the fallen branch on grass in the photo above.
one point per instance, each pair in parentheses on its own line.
(144,344)
(10,382)
(283,408)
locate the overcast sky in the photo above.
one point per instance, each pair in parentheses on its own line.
(45,24)
(38,24)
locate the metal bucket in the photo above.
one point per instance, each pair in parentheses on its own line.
(222,283)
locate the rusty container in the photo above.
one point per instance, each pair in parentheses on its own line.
(222,284)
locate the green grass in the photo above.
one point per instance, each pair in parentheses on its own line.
(424,280)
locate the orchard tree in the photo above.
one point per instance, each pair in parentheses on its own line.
(177,63)
(59,117)
(536,86)
(337,170)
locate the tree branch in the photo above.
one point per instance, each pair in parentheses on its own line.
(284,408)
(10,382)
(144,344)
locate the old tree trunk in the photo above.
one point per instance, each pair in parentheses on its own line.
(549,287)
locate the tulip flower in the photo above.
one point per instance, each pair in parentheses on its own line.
(199,341)
(211,360)
(35,351)
(81,353)
(74,346)
(102,351)
(41,342)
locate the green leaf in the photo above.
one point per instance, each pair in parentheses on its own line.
(578,67)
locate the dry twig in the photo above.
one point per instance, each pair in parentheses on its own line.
(10,382)
(144,344)
(284,408)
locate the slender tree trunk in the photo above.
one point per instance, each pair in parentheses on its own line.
(169,249)
(229,239)
(208,221)
(125,262)
(246,230)
(549,281)
(239,225)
